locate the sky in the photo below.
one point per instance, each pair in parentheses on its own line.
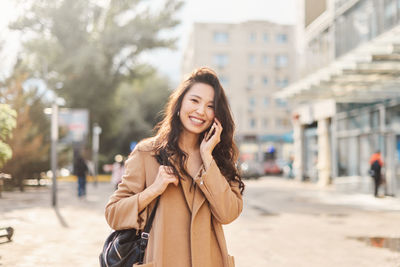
(166,61)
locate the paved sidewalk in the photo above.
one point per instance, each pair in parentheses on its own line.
(329,195)
(284,223)
(72,235)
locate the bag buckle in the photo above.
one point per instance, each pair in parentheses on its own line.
(145,235)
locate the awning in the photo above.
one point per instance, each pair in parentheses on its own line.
(285,138)
(369,73)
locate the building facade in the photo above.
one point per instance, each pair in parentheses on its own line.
(349,96)
(254,60)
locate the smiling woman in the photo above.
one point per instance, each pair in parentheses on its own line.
(189,165)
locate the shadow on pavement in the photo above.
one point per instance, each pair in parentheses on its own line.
(60,218)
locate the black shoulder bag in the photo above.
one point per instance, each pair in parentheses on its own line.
(127,247)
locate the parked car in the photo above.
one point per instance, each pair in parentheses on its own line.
(271,167)
(250,169)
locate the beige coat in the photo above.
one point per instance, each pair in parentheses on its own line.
(187,229)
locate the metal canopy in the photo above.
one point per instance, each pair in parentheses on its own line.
(369,73)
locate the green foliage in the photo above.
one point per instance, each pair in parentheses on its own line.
(140,103)
(7,123)
(90,47)
(30,139)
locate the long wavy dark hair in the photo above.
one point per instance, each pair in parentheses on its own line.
(169,129)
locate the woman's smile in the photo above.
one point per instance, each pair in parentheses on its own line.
(196,121)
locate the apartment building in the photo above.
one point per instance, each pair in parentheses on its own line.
(254,60)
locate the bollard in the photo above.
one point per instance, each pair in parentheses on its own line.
(8,232)
(2,177)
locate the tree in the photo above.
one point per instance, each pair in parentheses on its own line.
(88,49)
(140,103)
(29,141)
(7,123)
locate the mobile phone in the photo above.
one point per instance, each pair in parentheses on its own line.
(209,133)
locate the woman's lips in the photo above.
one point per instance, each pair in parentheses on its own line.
(196,121)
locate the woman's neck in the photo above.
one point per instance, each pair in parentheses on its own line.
(189,142)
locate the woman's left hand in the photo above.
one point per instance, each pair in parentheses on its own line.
(208,144)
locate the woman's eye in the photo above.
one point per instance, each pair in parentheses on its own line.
(211,107)
(194,100)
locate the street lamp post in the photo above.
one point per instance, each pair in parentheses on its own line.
(54,139)
(95,147)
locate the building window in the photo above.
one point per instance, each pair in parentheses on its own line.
(281,61)
(390,13)
(285,122)
(361,23)
(252,123)
(221,60)
(281,103)
(281,83)
(398,10)
(252,102)
(265,60)
(282,122)
(265,122)
(252,37)
(281,38)
(252,59)
(266,101)
(224,81)
(266,38)
(265,80)
(250,82)
(221,37)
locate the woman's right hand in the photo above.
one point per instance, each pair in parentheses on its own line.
(165,176)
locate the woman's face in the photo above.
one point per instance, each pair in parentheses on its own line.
(197,109)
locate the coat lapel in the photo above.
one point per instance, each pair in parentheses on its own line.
(199,197)
(186,187)
(198,201)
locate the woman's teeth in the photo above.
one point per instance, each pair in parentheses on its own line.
(196,120)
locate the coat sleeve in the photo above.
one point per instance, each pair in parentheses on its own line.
(225,200)
(122,209)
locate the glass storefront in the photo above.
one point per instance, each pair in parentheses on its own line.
(359,136)
(311,152)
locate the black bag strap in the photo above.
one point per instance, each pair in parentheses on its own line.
(144,237)
(149,222)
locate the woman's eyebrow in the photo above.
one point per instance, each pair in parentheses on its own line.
(195,96)
(210,101)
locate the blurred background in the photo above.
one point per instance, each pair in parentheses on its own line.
(313,86)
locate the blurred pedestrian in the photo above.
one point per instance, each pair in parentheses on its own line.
(290,165)
(80,170)
(190,164)
(376,164)
(117,170)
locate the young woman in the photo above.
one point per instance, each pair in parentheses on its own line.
(198,182)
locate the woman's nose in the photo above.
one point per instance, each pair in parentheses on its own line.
(200,110)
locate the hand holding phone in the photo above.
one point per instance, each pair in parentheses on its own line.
(210,132)
(211,138)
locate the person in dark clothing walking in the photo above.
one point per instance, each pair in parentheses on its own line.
(80,170)
(376,164)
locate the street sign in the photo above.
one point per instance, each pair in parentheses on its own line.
(74,125)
